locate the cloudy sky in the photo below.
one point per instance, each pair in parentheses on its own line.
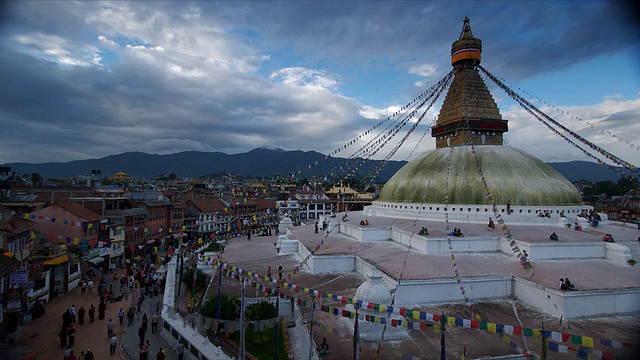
(81,80)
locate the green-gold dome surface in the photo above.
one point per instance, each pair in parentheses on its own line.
(511,175)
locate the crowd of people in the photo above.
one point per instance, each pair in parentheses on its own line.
(142,276)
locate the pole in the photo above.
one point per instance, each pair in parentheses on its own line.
(543,353)
(181,259)
(242,345)
(219,302)
(356,340)
(276,331)
(195,276)
(313,307)
(443,352)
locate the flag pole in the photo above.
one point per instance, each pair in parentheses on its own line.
(313,307)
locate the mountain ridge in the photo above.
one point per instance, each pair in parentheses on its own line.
(259,162)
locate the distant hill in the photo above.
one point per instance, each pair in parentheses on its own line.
(189,164)
(258,163)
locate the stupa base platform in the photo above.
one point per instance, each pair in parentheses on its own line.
(421,267)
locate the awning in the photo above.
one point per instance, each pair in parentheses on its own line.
(56,261)
(96,260)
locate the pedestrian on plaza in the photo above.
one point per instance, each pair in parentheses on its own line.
(92,314)
(89,355)
(71,356)
(269,272)
(71,333)
(145,321)
(84,286)
(66,319)
(155,319)
(142,351)
(110,327)
(130,315)
(112,346)
(81,313)
(280,272)
(81,357)
(73,313)
(67,352)
(141,332)
(90,287)
(121,316)
(180,350)
(160,355)
(63,337)
(102,307)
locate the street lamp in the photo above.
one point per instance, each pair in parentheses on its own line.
(313,307)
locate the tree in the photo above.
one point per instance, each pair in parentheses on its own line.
(261,311)
(201,279)
(229,307)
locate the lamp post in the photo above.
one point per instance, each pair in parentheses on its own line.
(313,307)
(276,331)
(242,338)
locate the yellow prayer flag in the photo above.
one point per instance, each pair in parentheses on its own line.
(199,240)
(416,314)
(383,308)
(451,320)
(491,327)
(146,230)
(76,241)
(587,341)
(90,226)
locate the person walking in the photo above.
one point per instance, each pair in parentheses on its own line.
(110,327)
(63,337)
(113,344)
(180,350)
(73,313)
(141,332)
(92,314)
(71,333)
(280,272)
(145,321)
(66,319)
(130,315)
(142,352)
(89,355)
(161,355)
(155,319)
(121,316)
(90,287)
(81,314)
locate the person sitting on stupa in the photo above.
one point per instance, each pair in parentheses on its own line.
(524,259)
(569,285)
(553,236)
(491,224)
(423,231)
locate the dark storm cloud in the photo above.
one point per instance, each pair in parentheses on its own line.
(219,76)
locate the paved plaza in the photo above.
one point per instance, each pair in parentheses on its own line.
(41,335)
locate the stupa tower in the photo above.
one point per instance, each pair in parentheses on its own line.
(469,131)
(469,115)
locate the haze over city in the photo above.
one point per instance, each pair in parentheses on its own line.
(83,80)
